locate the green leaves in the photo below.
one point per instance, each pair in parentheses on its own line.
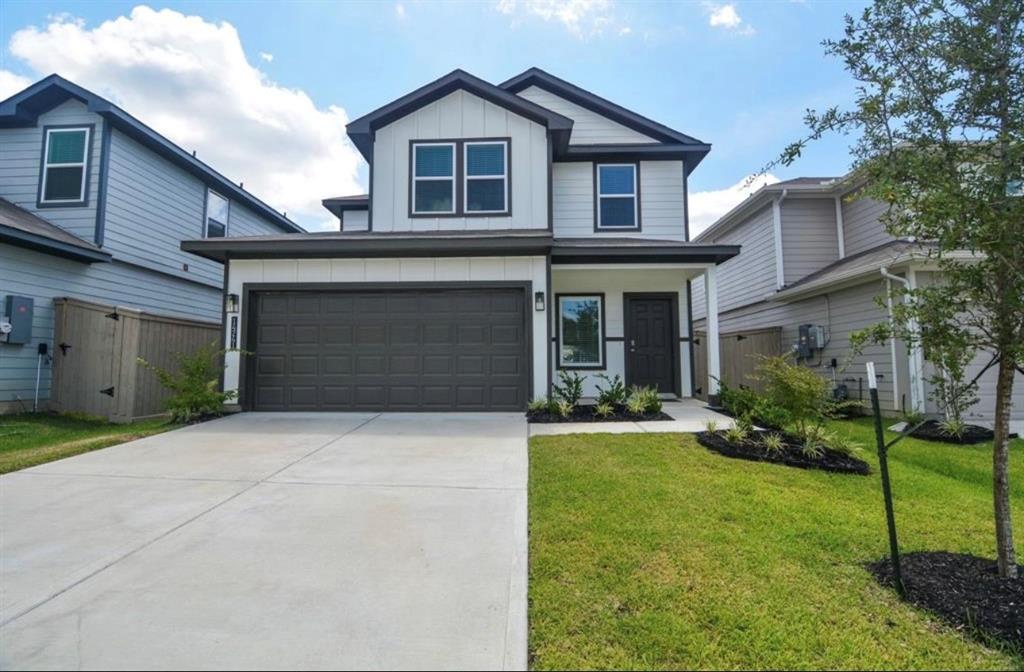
(194,385)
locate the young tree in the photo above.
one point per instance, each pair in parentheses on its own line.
(938,120)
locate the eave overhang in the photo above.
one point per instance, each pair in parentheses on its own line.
(47,245)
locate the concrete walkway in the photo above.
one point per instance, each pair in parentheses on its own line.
(690,415)
(273,541)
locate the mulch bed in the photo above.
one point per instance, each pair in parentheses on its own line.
(932,431)
(964,591)
(586,414)
(791,454)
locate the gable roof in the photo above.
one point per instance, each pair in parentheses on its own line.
(338,205)
(25,229)
(361,130)
(23,109)
(688,147)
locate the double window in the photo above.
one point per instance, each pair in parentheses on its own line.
(459,178)
(65,166)
(581,331)
(217,208)
(617,204)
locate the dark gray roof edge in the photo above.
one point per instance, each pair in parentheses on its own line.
(338,205)
(13,110)
(40,243)
(595,103)
(662,252)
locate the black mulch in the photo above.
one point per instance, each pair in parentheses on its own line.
(791,454)
(931,430)
(964,591)
(585,413)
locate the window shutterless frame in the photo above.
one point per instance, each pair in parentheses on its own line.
(503,176)
(414,179)
(601,364)
(45,166)
(206,213)
(634,196)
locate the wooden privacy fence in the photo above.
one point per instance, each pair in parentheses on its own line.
(96,351)
(737,353)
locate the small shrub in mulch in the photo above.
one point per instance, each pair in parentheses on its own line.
(932,431)
(964,591)
(585,413)
(790,453)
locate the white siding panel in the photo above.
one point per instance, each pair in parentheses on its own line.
(355,220)
(589,128)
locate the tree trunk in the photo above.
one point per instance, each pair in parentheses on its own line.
(1006,556)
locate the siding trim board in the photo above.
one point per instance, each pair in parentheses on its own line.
(101,191)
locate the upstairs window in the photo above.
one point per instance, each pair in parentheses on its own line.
(617,196)
(65,166)
(486,184)
(433,178)
(217,208)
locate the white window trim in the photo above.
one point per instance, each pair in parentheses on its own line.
(206,213)
(467,177)
(600,334)
(415,178)
(83,164)
(636,201)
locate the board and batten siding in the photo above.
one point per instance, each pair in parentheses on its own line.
(340,272)
(589,128)
(862,229)
(809,236)
(21,151)
(748,277)
(355,220)
(44,277)
(661,201)
(460,115)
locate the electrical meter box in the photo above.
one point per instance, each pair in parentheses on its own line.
(811,337)
(18,315)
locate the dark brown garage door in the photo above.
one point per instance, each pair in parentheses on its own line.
(396,350)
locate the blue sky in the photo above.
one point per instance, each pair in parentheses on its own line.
(258,87)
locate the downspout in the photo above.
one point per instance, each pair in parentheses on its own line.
(915,355)
(780,271)
(840,227)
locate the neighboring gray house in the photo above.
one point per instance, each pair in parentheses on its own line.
(94,205)
(510,231)
(814,252)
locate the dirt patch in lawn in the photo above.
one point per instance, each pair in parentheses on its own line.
(964,591)
(790,454)
(932,431)
(585,413)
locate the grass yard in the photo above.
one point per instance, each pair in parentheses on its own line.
(34,438)
(648,551)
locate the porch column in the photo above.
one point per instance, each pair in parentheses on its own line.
(711,307)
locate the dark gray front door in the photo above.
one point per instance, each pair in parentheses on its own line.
(396,350)
(651,342)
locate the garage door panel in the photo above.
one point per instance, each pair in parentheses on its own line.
(403,349)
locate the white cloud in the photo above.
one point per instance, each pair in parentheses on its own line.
(582,18)
(400,10)
(726,17)
(189,79)
(267,56)
(11,84)
(707,206)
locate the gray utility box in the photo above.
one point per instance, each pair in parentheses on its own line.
(18,311)
(811,338)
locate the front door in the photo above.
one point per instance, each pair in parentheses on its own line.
(651,341)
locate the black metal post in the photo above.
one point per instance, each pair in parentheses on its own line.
(890,518)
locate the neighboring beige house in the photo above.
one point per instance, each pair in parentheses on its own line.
(815,253)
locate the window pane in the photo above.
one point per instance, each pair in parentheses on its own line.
(216,210)
(63,184)
(485,195)
(616,179)
(617,212)
(66,147)
(485,159)
(433,196)
(214,229)
(434,161)
(581,330)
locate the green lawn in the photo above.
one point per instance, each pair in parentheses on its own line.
(33,438)
(650,552)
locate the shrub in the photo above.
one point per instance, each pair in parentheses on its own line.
(737,400)
(615,392)
(538,405)
(710,426)
(194,386)
(804,397)
(954,427)
(769,415)
(842,444)
(565,408)
(772,443)
(643,400)
(603,410)
(571,389)
(736,434)
(813,440)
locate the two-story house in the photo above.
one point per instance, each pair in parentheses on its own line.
(94,205)
(816,266)
(510,231)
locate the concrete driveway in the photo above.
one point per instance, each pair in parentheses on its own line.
(273,541)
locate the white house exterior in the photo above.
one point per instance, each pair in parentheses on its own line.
(509,232)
